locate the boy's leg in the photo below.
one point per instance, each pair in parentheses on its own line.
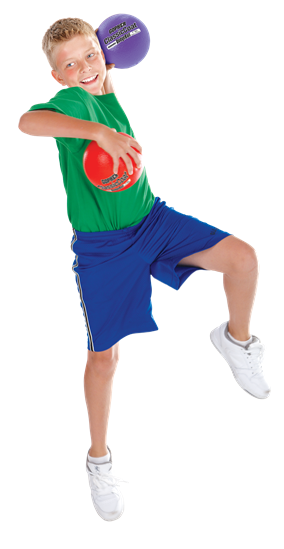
(98,382)
(237,261)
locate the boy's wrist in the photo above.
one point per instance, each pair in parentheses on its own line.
(108,86)
(97,131)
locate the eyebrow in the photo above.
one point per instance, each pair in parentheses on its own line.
(65,60)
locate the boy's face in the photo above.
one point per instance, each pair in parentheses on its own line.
(77,59)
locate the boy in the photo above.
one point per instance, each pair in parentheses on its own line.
(129,234)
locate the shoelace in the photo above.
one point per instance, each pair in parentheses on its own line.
(254,354)
(106,478)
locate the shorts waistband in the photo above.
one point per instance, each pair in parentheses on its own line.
(127,231)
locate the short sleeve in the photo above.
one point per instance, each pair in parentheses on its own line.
(71,103)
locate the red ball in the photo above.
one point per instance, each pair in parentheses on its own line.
(98,167)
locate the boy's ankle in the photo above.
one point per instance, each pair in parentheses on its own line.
(97,452)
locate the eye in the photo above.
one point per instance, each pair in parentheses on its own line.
(69,64)
(91,54)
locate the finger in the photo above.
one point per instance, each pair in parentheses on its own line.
(96,30)
(128,163)
(136,158)
(111,66)
(115,165)
(113,129)
(135,144)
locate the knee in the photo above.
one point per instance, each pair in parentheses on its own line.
(103,363)
(244,259)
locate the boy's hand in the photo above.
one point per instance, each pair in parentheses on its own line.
(119,146)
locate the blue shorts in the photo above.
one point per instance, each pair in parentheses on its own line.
(113,270)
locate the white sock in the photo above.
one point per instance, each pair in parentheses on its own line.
(99,460)
(243,343)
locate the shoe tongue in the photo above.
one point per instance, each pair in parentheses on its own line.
(100,467)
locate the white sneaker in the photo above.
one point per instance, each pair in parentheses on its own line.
(245,362)
(107,499)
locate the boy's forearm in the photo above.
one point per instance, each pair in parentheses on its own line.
(53,124)
(108,85)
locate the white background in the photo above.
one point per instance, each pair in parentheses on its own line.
(203,459)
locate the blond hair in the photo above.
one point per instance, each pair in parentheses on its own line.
(63,30)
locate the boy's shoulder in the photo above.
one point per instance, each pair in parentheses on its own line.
(73,101)
(71,93)
(69,101)
(77,95)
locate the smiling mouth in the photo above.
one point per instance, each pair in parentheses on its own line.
(93,79)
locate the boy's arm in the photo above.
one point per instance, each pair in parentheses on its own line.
(108,85)
(53,124)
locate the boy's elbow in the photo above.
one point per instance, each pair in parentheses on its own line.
(22,123)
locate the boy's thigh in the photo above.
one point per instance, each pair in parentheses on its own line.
(226,256)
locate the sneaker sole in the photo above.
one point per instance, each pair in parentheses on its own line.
(234,372)
(107,520)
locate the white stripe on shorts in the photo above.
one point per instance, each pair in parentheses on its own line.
(81,294)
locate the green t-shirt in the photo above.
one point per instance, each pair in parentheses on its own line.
(91,209)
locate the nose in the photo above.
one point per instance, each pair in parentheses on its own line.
(84,65)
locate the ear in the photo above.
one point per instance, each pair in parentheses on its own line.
(58,78)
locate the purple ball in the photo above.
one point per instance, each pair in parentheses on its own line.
(124,39)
